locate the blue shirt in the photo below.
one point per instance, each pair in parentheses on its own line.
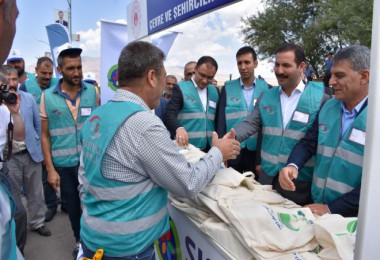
(348,118)
(248,92)
(58,90)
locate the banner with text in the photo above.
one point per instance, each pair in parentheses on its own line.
(146,17)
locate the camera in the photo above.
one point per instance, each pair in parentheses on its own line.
(10,98)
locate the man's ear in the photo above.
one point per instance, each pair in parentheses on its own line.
(365,74)
(151,77)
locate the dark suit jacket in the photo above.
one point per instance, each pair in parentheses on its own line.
(160,110)
(65,23)
(346,205)
(174,106)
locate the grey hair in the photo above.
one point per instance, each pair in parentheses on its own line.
(3,78)
(6,69)
(8,4)
(358,56)
(136,59)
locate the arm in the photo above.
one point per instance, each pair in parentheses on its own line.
(18,124)
(174,106)
(53,177)
(170,170)
(347,205)
(251,125)
(221,114)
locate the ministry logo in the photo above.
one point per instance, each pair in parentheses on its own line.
(112,78)
(136,22)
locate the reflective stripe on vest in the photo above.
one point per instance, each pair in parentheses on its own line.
(64,132)
(339,160)
(278,142)
(237,109)
(193,117)
(123,218)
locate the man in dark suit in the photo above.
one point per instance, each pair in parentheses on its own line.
(24,167)
(61,20)
(190,114)
(338,144)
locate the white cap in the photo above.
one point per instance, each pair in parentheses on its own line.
(66,49)
(15,55)
(89,77)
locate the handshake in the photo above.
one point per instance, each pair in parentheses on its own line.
(228,146)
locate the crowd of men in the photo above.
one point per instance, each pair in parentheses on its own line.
(114,169)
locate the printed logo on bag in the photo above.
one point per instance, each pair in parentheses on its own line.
(289,220)
(112,78)
(168,246)
(95,120)
(351,228)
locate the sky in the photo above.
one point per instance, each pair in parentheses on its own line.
(216,34)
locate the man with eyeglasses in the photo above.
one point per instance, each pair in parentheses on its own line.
(190,115)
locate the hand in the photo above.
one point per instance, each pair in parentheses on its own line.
(318,209)
(286,177)
(14,108)
(258,170)
(230,148)
(230,135)
(53,179)
(182,137)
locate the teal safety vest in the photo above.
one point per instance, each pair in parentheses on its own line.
(339,161)
(198,123)
(121,218)
(33,88)
(236,108)
(64,132)
(277,142)
(8,239)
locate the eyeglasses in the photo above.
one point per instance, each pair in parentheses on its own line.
(190,73)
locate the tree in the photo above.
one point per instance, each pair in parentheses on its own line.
(318,26)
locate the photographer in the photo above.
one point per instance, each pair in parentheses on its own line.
(25,164)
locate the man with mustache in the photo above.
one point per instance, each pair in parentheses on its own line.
(16,61)
(36,86)
(24,166)
(63,110)
(337,138)
(284,114)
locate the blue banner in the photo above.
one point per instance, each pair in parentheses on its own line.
(163,13)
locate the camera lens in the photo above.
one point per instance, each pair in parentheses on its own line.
(10,98)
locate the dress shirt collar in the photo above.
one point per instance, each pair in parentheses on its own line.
(300,88)
(356,109)
(250,87)
(126,95)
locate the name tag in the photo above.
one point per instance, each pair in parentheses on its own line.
(212,104)
(254,102)
(357,136)
(85,111)
(301,117)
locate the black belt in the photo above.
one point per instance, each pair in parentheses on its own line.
(21,152)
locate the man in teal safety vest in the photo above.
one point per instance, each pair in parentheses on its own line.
(35,86)
(190,114)
(284,114)
(129,163)
(337,138)
(237,100)
(63,110)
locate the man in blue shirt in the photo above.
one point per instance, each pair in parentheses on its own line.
(338,144)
